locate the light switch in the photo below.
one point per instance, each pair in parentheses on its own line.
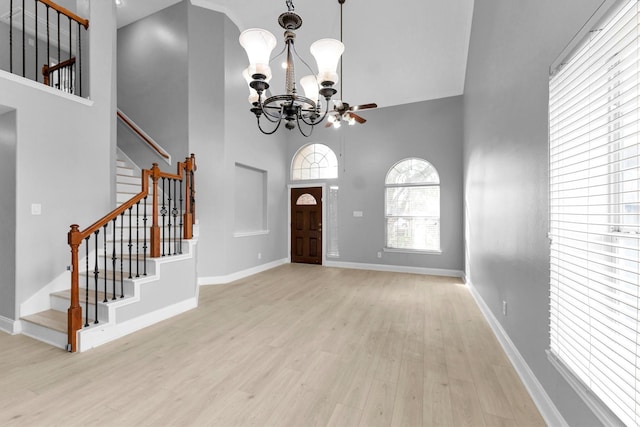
(357,214)
(36,209)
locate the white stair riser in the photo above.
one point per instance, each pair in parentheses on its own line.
(140,221)
(62,304)
(121,163)
(128,179)
(131,188)
(124,171)
(44,334)
(139,269)
(129,287)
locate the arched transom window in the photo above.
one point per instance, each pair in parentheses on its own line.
(412,206)
(314,161)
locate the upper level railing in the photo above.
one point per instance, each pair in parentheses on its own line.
(117,246)
(48,36)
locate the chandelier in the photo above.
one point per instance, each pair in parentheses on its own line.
(291,108)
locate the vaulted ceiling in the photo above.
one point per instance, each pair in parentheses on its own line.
(396,52)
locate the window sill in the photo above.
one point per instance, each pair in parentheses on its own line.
(413,251)
(250,233)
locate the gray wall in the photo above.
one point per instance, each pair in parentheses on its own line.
(206,134)
(152,80)
(505,171)
(197,104)
(246,145)
(430,130)
(8,143)
(65,143)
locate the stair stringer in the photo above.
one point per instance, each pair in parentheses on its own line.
(171,291)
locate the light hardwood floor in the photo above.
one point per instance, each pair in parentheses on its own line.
(298,345)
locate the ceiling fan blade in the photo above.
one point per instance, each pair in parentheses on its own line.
(358,118)
(364,106)
(328,124)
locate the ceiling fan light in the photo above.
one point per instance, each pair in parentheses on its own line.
(258,44)
(327,53)
(336,124)
(351,120)
(310,86)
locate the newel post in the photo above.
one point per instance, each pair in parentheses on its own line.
(189,167)
(155,228)
(74,314)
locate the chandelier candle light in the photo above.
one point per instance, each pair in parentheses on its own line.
(289,107)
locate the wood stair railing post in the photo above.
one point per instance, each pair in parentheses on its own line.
(194,167)
(74,314)
(188,215)
(155,228)
(45,74)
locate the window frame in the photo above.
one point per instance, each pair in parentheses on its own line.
(421,184)
(328,154)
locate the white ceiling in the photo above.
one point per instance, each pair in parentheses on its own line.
(396,52)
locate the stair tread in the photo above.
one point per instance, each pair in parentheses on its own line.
(111,277)
(92,295)
(52,319)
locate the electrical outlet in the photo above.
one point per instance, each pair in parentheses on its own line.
(379,254)
(259,255)
(504,308)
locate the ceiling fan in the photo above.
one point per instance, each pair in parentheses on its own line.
(342,111)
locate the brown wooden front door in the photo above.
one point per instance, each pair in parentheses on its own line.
(306,225)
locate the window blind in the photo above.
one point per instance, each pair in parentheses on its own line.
(594,206)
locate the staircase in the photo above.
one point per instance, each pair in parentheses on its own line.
(139,292)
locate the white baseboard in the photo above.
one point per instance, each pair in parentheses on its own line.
(221,280)
(10,326)
(104,333)
(542,400)
(395,268)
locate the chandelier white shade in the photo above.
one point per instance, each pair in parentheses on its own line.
(258,44)
(290,107)
(327,53)
(310,86)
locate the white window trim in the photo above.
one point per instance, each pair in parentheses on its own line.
(412,251)
(293,159)
(421,184)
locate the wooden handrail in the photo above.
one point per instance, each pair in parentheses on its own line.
(142,135)
(47,70)
(67,13)
(75,236)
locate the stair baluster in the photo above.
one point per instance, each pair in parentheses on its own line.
(86,288)
(121,254)
(104,245)
(96,273)
(114,259)
(138,239)
(144,242)
(130,246)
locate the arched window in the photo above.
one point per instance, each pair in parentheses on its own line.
(314,161)
(412,206)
